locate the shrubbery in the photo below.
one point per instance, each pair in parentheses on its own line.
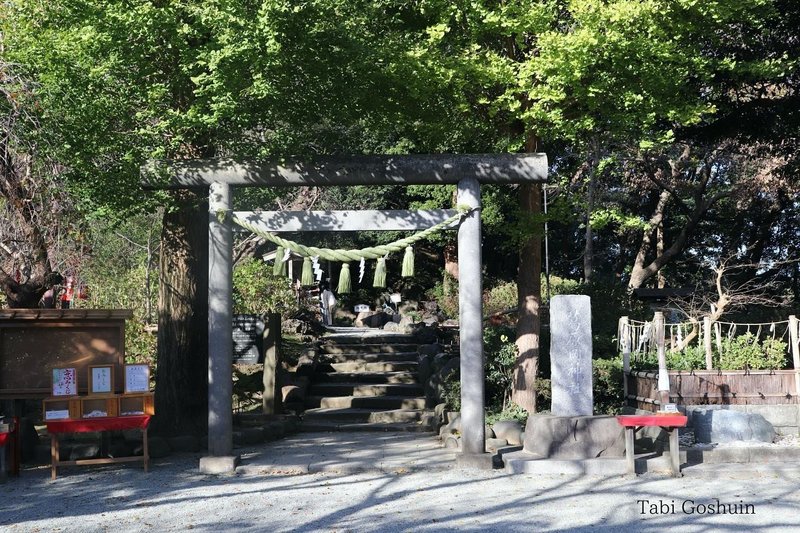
(738,353)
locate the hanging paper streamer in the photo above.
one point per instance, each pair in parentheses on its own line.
(317,268)
(308,275)
(362,265)
(279,268)
(344,279)
(408,263)
(286,255)
(380,273)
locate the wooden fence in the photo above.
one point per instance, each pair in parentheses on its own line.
(710,386)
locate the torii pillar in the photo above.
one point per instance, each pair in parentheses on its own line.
(220,457)
(468,171)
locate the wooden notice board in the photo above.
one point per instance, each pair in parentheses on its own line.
(34,341)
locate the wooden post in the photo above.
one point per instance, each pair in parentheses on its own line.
(271,395)
(794,339)
(663,374)
(707,342)
(625,341)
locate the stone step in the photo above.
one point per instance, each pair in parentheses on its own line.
(368,357)
(366,389)
(336,348)
(364,377)
(361,366)
(367,402)
(319,425)
(357,415)
(371,338)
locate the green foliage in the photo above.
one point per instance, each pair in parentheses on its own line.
(117,277)
(738,353)
(500,353)
(257,291)
(446,295)
(452,392)
(500,298)
(511,411)
(746,352)
(607,379)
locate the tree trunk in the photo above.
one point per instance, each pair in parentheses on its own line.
(182,371)
(588,250)
(529,291)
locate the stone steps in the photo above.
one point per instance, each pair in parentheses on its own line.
(370,402)
(357,415)
(369,367)
(365,377)
(319,426)
(367,389)
(366,382)
(368,357)
(330,348)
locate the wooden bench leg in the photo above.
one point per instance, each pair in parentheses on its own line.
(54,455)
(630,457)
(145,450)
(674,452)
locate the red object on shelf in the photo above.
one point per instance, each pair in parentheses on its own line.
(664,421)
(117,423)
(11,439)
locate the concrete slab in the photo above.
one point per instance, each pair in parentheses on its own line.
(225,464)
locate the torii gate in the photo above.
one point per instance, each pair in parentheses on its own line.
(220,176)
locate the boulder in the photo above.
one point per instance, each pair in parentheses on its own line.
(292,393)
(425,334)
(429,349)
(121,448)
(574,437)
(723,425)
(425,368)
(510,430)
(452,443)
(392,326)
(84,451)
(452,366)
(493,444)
(405,321)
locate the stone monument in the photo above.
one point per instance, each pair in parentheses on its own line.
(571,355)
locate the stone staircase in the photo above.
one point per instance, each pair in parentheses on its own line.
(366,381)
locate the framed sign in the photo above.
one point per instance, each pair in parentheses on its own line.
(101,379)
(137,378)
(65,382)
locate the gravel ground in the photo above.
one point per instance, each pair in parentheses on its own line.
(175,497)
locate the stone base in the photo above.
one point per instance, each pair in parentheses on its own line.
(574,437)
(475,461)
(528,463)
(219,465)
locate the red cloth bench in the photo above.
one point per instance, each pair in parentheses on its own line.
(668,422)
(91,425)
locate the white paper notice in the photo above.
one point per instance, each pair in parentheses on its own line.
(137,378)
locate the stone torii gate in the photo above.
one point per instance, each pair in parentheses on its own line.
(221,176)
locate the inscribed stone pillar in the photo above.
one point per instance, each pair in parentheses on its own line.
(220,332)
(571,355)
(471,320)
